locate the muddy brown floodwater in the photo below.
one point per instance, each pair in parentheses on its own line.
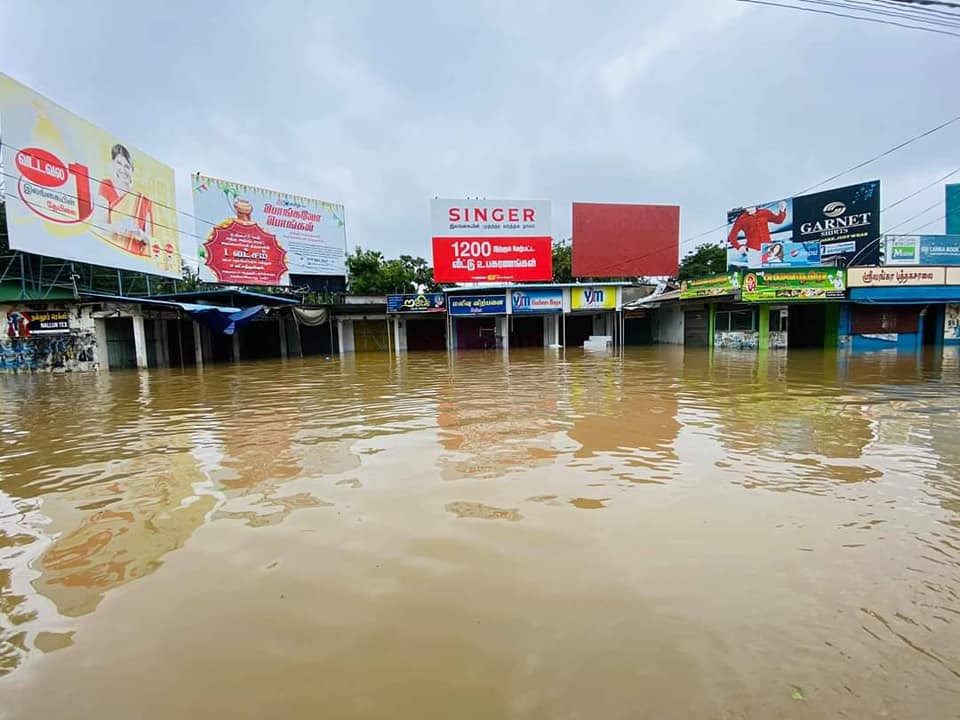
(664,535)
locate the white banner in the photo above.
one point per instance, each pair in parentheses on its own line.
(895,276)
(490,218)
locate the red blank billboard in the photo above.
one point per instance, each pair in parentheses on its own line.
(614,240)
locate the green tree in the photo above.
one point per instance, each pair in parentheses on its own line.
(372,274)
(707,259)
(562,261)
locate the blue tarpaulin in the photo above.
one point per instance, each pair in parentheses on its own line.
(224,320)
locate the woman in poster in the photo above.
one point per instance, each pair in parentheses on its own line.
(127,214)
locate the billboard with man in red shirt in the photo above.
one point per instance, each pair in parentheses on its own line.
(749,229)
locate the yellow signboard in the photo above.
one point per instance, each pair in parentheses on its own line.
(597,297)
(79,193)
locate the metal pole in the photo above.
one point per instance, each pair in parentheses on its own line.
(119,284)
(23,280)
(296,324)
(330,325)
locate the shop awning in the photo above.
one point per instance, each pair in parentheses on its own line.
(219,318)
(921,295)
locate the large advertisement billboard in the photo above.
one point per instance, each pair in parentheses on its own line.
(625,241)
(255,236)
(840,225)
(491,240)
(953,209)
(79,193)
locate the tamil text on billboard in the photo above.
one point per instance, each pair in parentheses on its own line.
(79,193)
(921,250)
(416,303)
(254,236)
(724,284)
(536,301)
(477,304)
(799,284)
(625,241)
(24,323)
(491,240)
(599,297)
(835,226)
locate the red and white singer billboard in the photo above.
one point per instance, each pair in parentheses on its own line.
(491,240)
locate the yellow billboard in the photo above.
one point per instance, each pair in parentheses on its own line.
(597,297)
(76,192)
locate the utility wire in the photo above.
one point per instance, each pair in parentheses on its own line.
(852,17)
(860,6)
(930,12)
(942,3)
(914,217)
(925,187)
(913,230)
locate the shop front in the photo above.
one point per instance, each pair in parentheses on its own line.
(419,321)
(478,322)
(535,317)
(905,309)
(594,312)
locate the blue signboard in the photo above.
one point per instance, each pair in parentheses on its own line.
(537,301)
(922,250)
(787,253)
(477,305)
(953,209)
(422,303)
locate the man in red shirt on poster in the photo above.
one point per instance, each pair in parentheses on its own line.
(754,223)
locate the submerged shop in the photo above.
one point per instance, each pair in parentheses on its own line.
(419,321)
(761,309)
(902,308)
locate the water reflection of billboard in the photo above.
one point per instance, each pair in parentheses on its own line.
(79,193)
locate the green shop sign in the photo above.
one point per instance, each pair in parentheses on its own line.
(726,284)
(812,284)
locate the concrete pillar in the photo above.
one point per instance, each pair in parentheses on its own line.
(711,323)
(400,343)
(236,346)
(503,330)
(103,350)
(282,328)
(763,330)
(140,341)
(198,343)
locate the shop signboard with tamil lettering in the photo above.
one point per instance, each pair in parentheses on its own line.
(26,323)
(895,276)
(814,284)
(478,304)
(417,303)
(724,284)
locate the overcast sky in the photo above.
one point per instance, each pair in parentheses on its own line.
(381,106)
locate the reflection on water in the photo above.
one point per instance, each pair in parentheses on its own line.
(756,524)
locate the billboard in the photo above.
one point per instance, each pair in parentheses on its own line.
(491,240)
(24,323)
(840,225)
(478,305)
(953,209)
(725,284)
(620,240)
(921,250)
(419,303)
(255,236)
(79,193)
(537,301)
(803,284)
(593,298)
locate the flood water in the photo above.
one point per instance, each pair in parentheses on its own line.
(666,534)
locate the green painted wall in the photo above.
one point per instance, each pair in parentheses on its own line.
(763,331)
(831,326)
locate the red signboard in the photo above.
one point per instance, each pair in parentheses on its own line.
(611,240)
(492,259)
(243,253)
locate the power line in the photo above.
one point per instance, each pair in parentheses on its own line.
(931,12)
(852,17)
(914,217)
(942,3)
(925,187)
(911,231)
(908,14)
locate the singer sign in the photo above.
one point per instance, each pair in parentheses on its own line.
(491,240)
